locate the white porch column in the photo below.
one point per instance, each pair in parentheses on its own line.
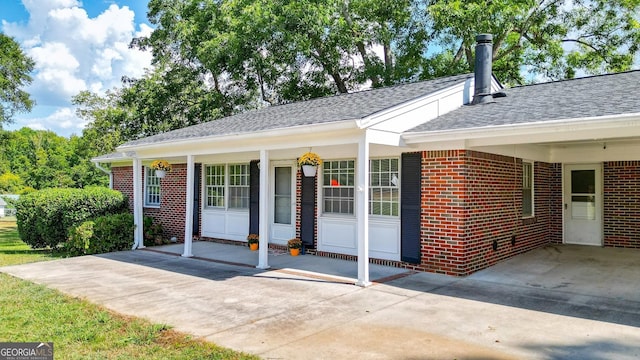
(263,249)
(362,211)
(188,214)
(138,235)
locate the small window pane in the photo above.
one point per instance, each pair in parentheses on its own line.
(239,186)
(384,194)
(338,186)
(214,184)
(152,188)
(583,181)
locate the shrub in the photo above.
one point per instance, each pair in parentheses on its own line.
(45,217)
(103,234)
(153,232)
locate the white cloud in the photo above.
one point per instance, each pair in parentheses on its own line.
(74,52)
(62,118)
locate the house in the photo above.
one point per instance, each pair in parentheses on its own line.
(448,175)
(3,206)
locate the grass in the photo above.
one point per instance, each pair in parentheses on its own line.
(13,251)
(80,329)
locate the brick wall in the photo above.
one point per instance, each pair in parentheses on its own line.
(171,213)
(556,204)
(622,204)
(123,182)
(471,199)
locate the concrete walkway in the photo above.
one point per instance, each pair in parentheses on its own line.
(553,303)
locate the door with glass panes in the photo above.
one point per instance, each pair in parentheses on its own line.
(583,204)
(283,203)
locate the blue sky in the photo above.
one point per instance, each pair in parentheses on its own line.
(77,45)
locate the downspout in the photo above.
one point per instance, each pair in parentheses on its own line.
(106,171)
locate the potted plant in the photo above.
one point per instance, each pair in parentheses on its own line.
(253,240)
(309,162)
(161,167)
(294,246)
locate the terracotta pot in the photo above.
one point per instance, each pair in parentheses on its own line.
(253,247)
(294,252)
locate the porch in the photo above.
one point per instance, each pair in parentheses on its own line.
(318,267)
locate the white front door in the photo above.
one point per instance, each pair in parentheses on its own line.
(284,202)
(583,204)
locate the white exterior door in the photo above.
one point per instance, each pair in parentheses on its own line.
(283,204)
(583,204)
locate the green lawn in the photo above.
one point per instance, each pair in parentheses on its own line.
(79,329)
(13,251)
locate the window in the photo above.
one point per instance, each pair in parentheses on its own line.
(151,188)
(527,188)
(338,187)
(227,186)
(214,185)
(239,186)
(383,187)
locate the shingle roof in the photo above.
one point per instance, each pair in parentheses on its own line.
(351,106)
(109,157)
(593,96)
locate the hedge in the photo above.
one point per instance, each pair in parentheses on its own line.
(45,217)
(101,235)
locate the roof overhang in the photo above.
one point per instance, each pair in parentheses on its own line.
(547,132)
(307,135)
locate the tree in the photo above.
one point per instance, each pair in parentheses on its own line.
(214,58)
(290,50)
(551,39)
(15,67)
(284,50)
(41,159)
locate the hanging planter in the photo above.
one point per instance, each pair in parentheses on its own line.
(309,170)
(161,167)
(309,162)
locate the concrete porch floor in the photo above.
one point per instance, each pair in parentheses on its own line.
(557,302)
(320,267)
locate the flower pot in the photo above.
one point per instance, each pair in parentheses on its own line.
(253,247)
(161,173)
(294,252)
(309,170)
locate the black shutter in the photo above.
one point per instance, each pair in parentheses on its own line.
(410,208)
(307,211)
(254,197)
(197,182)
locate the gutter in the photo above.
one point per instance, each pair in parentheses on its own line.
(106,171)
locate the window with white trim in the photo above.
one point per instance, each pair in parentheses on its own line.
(214,185)
(151,188)
(384,184)
(239,186)
(527,189)
(338,186)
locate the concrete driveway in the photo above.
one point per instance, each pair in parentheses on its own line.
(558,302)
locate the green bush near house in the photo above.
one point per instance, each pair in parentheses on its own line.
(153,232)
(101,235)
(45,217)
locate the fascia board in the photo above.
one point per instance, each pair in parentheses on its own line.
(256,137)
(538,132)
